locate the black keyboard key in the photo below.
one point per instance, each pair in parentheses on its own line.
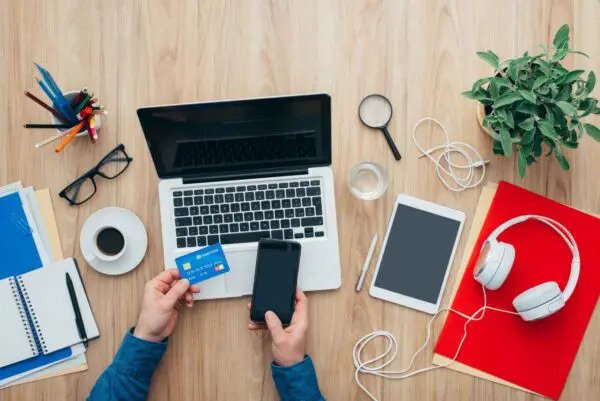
(191,241)
(260,195)
(188,201)
(220,190)
(265,205)
(228,198)
(244,237)
(198,200)
(244,227)
(214,229)
(274,224)
(183,221)
(234,227)
(276,204)
(219,199)
(224,228)
(235,207)
(218,218)
(248,216)
(251,188)
(279,214)
(318,210)
(207,220)
(255,206)
(264,225)
(197,220)
(288,234)
(239,197)
(304,183)
(293,185)
(308,230)
(277,234)
(269,215)
(209,191)
(299,212)
(181,231)
(212,239)
(285,224)
(313,191)
(201,241)
(280,194)
(193,230)
(319,234)
(238,217)
(314,182)
(286,203)
(204,210)
(209,199)
(306,202)
(309,235)
(224,208)
(228,218)
(296,202)
(214,209)
(272,186)
(254,226)
(203,230)
(316,201)
(198,192)
(300,192)
(270,194)
(181,242)
(240,189)
(290,193)
(295,222)
(312,221)
(289,213)
(262,187)
(309,211)
(245,206)
(177,193)
(182,212)
(259,215)
(283,185)
(230,189)
(177,202)
(249,196)
(298,235)
(188,193)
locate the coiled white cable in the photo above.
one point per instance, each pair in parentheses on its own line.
(367,367)
(451,174)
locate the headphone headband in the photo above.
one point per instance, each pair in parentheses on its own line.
(558,228)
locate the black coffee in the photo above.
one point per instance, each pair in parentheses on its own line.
(110,241)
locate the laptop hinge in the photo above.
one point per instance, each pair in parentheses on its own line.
(243,176)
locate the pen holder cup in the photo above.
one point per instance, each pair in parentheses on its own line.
(70,96)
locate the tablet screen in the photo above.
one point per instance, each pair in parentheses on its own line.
(417,252)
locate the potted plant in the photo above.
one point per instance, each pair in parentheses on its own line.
(531,102)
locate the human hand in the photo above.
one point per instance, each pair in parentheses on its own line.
(288,344)
(162,297)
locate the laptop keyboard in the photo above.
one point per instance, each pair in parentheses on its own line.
(247,213)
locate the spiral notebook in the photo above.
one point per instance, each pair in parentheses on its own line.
(37,312)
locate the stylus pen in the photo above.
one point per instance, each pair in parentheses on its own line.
(365,268)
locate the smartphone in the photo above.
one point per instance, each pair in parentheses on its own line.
(275,280)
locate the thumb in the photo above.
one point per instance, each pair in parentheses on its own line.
(273,324)
(176,292)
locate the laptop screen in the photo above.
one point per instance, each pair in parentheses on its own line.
(205,139)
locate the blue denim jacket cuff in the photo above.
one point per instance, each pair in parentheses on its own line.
(137,357)
(296,382)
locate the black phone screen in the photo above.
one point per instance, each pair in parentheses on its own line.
(275,279)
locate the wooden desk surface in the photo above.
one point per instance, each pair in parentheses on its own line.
(418,53)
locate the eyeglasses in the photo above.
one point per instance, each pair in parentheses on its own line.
(110,167)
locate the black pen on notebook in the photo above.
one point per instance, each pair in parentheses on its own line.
(78,318)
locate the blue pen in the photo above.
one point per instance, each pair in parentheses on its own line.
(46,90)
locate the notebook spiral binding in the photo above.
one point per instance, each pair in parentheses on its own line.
(34,319)
(23,315)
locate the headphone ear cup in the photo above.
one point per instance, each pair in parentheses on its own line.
(540,301)
(504,265)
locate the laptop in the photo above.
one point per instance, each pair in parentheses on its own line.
(236,171)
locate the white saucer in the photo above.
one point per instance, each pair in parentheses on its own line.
(133,230)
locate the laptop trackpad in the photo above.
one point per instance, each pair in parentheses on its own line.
(240,279)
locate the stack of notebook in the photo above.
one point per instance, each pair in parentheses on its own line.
(40,337)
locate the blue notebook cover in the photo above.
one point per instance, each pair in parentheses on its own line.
(18,255)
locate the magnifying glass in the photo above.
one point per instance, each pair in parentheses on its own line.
(375,111)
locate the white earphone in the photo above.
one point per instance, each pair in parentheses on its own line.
(496,259)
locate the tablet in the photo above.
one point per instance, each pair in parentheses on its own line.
(417,254)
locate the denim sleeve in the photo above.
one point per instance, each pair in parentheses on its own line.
(297,382)
(129,375)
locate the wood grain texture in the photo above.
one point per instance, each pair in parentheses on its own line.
(418,53)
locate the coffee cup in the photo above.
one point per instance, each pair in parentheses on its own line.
(108,244)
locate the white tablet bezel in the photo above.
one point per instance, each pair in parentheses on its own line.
(406,300)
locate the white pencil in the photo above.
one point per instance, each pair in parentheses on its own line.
(365,268)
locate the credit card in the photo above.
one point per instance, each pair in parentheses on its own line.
(202,264)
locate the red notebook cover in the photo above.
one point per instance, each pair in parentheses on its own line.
(535,355)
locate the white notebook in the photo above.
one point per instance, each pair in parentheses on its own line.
(37,314)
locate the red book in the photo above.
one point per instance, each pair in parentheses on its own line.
(535,355)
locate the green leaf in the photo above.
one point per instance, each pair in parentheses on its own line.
(506,99)
(570,144)
(591,82)
(505,141)
(478,83)
(539,81)
(570,76)
(490,57)
(527,125)
(562,36)
(579,52)
(529,96)
(564,163)
(567,108)
(469,94)
(522,162)
(592,131)
(547,129)
(560,53)
(501,82)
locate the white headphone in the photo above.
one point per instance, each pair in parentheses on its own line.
(496,259)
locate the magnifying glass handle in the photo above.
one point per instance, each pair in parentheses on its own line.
(391,143)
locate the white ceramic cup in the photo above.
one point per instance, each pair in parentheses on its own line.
(97,254)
